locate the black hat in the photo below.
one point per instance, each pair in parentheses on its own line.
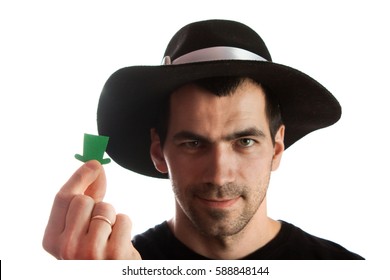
(131,98)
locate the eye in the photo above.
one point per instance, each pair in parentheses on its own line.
(246,142)
(193,144)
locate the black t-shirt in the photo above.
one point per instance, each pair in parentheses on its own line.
(291,243)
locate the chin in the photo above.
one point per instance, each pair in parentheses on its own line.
(219,225)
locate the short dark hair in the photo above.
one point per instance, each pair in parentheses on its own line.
(225,86)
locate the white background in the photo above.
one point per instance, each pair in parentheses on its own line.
(55,57)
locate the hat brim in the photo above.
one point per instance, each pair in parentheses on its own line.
(130,101)
(86,158)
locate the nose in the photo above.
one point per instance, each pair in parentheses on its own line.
(219,165)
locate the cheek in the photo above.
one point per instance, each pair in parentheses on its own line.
(254,167)
(181,170)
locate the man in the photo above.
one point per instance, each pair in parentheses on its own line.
(215,119)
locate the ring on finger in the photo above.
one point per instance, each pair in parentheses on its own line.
(102,218)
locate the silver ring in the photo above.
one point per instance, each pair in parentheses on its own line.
(102,218)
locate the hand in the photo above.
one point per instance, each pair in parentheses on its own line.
(71,233)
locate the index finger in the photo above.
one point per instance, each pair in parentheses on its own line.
(90,180)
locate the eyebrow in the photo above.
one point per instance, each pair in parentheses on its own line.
(248,132)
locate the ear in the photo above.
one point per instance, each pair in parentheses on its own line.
(278,148)
(156,152)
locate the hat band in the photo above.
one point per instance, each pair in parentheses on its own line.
(213,53)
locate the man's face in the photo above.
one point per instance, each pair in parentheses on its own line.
(219,156)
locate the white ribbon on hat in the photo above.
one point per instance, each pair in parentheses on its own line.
(214,53)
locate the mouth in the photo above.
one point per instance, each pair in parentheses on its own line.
(219,203)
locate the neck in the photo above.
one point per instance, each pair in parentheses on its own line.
(258,232)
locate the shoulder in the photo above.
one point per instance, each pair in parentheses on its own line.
(303,245)
(159,243)
(151,243)
(160,231)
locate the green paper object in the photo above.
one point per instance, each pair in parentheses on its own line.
(94,148)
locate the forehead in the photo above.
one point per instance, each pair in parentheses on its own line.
(191,105)
(191,93)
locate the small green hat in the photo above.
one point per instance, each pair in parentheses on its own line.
(94,148)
